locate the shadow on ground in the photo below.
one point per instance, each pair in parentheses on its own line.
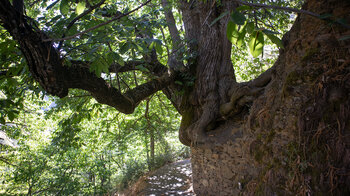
(172,179)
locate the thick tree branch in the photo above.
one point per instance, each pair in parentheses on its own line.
(82,78)
(174,61)
(49,69)
(191,20)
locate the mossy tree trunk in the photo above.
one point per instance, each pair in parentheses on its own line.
(285,133)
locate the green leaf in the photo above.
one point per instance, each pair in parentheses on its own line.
(256,43)
(124,48)
(64,7)
(11,116)
(250,27)
(178,82)
(234,35)
(243,8)
(141,68)
(231,32)
(241,35)
(119,59)
(73,30)
(275,40)
(2,120)
(151,46)
(159,48)
(238,18)
(80,7)
(97,67)
(218,18)
(156,44)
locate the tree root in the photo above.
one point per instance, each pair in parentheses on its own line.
(245,93)
(194,133)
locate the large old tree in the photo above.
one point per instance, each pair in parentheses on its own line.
(283,133)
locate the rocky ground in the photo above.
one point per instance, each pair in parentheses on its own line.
(172,179)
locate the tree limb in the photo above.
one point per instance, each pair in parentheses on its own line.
(82,78)
(49,69)
(174,61)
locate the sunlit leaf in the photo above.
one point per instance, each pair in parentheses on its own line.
(80,7)
(234,35)
(256,43)
(250,27)
(231,32)
(11,116)
(141,68)
(64,7)
(159,48)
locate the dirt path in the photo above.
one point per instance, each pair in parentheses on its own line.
(172,179)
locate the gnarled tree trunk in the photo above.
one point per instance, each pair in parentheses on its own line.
(285,133)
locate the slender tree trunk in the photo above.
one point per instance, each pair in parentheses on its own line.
(147,151)
(285,133)
(152,146)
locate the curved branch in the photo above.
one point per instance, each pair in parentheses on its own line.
(49,69)
(82,78)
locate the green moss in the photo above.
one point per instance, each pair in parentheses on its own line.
(290,80)
(309,53)
(258,155)
(270,136)
(292,77)
(187,118)
(259,136)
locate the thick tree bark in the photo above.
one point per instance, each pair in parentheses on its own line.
(294,139)
(211,67)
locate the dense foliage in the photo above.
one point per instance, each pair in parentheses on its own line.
(75,145)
